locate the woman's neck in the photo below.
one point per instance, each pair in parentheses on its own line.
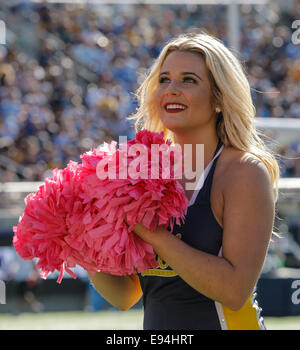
(188,143)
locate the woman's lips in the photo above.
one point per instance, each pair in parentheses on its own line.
(174,107)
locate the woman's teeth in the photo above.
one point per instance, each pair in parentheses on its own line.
(175,108)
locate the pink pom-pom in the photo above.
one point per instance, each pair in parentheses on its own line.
(42,228)
(77,217)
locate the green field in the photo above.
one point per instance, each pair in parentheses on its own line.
(105,320)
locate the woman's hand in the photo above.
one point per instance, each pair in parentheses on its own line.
(143,232)
(146,235)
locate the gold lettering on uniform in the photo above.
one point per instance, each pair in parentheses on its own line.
(162,264)
(161,270)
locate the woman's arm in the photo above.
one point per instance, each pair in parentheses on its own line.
(247,226)
(121,291)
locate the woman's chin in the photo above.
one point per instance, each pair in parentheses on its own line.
(173,123)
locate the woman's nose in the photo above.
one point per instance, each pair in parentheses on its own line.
(174,88)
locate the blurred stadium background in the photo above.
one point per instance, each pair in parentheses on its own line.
(69,70)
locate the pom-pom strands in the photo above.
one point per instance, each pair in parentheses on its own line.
(77,217)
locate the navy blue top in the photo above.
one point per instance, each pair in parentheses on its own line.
(169,302)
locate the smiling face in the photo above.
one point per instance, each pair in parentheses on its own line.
(183,98)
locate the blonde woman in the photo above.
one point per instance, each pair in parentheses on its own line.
(197,93)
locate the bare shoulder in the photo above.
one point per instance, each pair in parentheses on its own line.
(244,169)
(240,177)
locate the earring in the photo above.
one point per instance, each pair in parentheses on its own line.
(218,110)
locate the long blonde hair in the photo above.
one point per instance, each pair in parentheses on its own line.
(230,91)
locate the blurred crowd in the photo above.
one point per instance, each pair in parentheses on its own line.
(68,74)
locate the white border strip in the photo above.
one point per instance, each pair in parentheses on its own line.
(203,177)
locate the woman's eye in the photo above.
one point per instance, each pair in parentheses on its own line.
(189,79)
(163,79)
